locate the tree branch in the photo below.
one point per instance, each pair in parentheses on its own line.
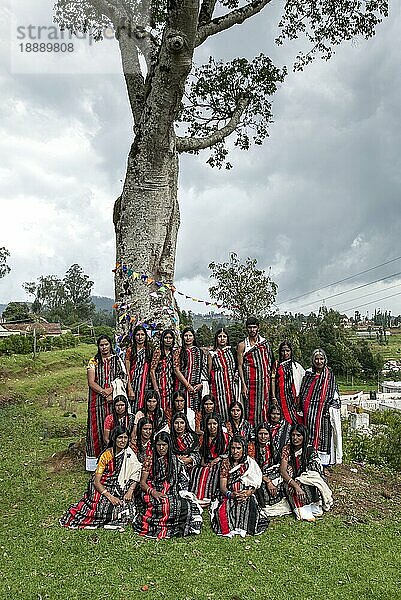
(206,11)
(133,76)
(235,17)
(191,144)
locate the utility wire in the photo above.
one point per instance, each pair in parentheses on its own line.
(340,280)
(390,287)
(358,287)
(373,301)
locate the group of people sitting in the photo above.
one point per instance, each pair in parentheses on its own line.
(177,430)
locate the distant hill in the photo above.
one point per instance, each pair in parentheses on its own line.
(103,303)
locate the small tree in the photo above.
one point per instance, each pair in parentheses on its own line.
(243,288)
(204,336)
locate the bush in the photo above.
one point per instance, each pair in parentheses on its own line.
(382,446)
(20,344)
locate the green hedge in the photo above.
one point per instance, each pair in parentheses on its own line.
(20,344)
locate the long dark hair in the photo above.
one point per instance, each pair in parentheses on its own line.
(305,449)
(289,345)
(180,393)
(230,418)
(164,437)
(148,349)
(158,413)
(183,351)
(239,440)
(119,430)
(205,398)
(116,418)
(259,455)
(98,355)
(163,335)
(141,423)
(194,444)
(216,335)
(220,443)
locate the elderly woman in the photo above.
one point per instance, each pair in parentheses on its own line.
(108,500)
(319,403)
(168,509)
(102,370)
(301,470)
(237,512)
(289,374)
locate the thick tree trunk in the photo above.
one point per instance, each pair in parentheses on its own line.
(146,219)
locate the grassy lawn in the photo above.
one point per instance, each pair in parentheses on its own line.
(332,558)
(391,350)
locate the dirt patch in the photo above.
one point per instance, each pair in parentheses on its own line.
(71,459)
(6,400)
(364,492)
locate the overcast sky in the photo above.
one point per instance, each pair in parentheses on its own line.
(318,202)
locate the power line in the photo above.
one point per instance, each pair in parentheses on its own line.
(340,280)
(372,301)
(358,287)
(390,287)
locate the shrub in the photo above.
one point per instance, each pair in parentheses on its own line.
(382,446)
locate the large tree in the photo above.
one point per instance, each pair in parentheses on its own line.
(157,40)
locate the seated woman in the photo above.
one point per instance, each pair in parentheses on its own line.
(237,512)
(107,501)
(205,477)
(120,415)
(168,509)
(179,404)
(301,469)
(185,442)
(271,494)
(152,410)
(207,407)
(142,445)
(237,424)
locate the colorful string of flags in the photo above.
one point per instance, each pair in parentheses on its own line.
(163,287)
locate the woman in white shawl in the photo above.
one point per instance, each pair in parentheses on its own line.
(108,500)
(301,469)
(236,511)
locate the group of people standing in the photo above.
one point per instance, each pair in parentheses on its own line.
(173,430)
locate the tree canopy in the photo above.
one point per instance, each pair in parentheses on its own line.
(243,288)
(67,300)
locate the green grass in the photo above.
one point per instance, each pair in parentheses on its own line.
(391,350)
(39,559)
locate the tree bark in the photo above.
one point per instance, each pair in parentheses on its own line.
(146,220)
(146,216)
